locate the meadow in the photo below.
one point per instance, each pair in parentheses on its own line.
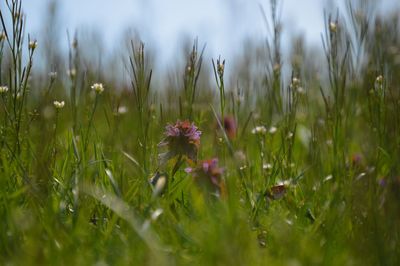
(261,168)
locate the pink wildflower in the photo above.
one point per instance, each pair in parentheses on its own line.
(182,139)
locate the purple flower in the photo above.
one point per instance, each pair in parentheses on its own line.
(207,174)
(182,139)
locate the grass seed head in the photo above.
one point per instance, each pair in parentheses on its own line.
(2,36)
(333,27)
(33,45)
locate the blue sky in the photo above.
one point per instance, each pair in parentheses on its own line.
(219,23)
(222,26)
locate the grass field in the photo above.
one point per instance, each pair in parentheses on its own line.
(261,169)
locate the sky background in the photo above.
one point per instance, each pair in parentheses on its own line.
(221,24)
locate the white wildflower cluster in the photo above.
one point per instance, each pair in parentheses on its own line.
(3,89)
(267,166)
(98,88)
(272,130)
(295,82)
(379,85)
(122,110)
(59,105)
(259,130)
(53,75)
(296,85)
(379,79)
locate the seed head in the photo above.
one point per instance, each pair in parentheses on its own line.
(75,43)
(333,27)
(33,45)
(221,68)
(2,36)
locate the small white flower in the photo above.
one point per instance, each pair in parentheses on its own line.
(301,90)
(59,105)
(379,79)
(272,130)
(156,214)
(122,110)
(53,75)
(267,166)
(98,88)
(296,82)
(327,178)
(3,89)
(259,130)
(329,142)
(285,183)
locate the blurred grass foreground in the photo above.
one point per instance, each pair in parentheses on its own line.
(265,166)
